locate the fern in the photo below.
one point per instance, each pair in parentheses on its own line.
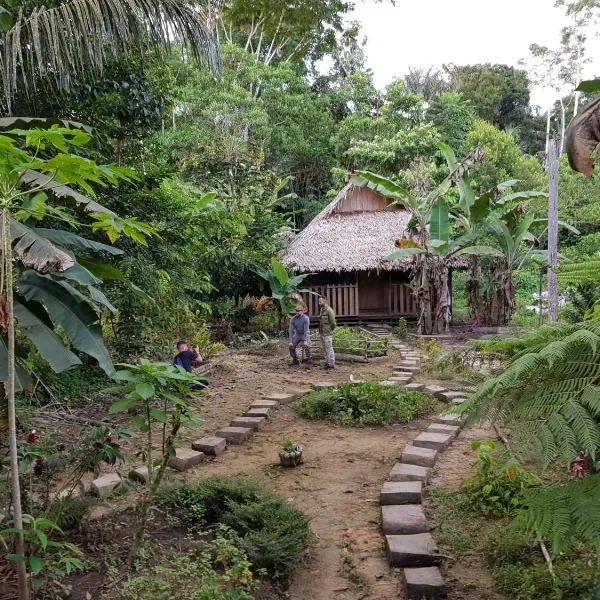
(580,272)
(564,514)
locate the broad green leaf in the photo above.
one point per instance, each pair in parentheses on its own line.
(279,271)
(78,319)
(405,252)
(102,270)
(100,298)
(437,243)
(590,86)
(123,375)
(79,274)
(439,227)
(35,563)
(22,378)
(122,405)
(6,20)
(145,390)
(40,122)
(159,415)
(48,344)
(379,184)
(480,251)
(66,238)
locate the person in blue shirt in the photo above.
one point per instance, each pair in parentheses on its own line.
(299,335)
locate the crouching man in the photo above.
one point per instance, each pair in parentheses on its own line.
(299,335)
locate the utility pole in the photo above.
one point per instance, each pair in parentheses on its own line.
(553,161)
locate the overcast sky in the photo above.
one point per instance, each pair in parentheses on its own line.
(422,33)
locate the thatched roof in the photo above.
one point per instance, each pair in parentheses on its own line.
(338,240)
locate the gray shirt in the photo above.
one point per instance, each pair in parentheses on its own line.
(299,327)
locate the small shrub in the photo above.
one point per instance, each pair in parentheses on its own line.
(496,487)
(358,342)
(272,532)
(207,348)
(401,327)
(364,404)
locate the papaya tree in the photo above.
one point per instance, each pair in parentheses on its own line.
(43,282)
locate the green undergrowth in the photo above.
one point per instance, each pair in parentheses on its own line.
(514,559)
(358,342)
(365,404)
(272,533)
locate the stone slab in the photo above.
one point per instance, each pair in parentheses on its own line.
(403,519)
(185,459)
(452,430)
(414,455)
(323,385)
(212,445)
(458,401)
(401,492)
(234,435)
(435,441)
(258,412)
(140,475)
(435,390)
(389,383)
(407,472)
(410,369)
(105,484)
(415,387)
(449,420)
(424,582)
(254,423)
(406,363)
(282,398)
(449,396)
(265,404)
(400,380)
(416,550)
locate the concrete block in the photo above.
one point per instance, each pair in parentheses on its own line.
(406,363)
(254,423)
(415,387)
(210,445)
(234,435)
(282,398)
(458,401)
(140,475)
(435,390)
(323,385)
(401,492)
(407,472)
(185,459)
(416,550)
(258,412)
(452,430)
(435,441)
(265,404)
(449,420)
(400,380)
(410,369)
(403,520)
(389,383)
(449,396)
(414,455)
(105,484)
(424,582)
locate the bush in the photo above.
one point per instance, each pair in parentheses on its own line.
(496,487)
(272,533)
(401,327)
(364,404)
(358,342)
(207,348)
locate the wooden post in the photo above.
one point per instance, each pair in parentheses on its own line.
(553,158)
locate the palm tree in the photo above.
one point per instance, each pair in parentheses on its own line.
(55,47)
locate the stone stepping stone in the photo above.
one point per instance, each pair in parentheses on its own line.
(302,392)
(389,383)
(105,484)
(452,430)
(435,441)
(435,390)
(449,420)
(406,363)
(407,472)
(415,387)
(401,492)
(235,435)
(424,582)
(140,475)
(356,381)
(414,455)
(281,398)
(416,550)
(185,459)
(449,396)
(323,385)
(404,520)
(458,401)
(212,445)
(258,412)
(400,380)
(254,423)
(265,404)
(411,369)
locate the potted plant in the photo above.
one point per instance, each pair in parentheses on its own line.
(290,453)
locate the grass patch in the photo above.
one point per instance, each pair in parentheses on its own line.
(365,404)
(358,342)
(272,533)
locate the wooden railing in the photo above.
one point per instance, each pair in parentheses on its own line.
(343,298)
(401,300)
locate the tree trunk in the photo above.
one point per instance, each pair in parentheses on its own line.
(491,294)
(563,126)
(12,417)
(432,294)
(547,132)
(552,232)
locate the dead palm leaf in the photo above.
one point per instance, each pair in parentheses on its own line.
(583,135)
(73,40)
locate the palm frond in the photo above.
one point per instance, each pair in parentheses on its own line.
(75,39)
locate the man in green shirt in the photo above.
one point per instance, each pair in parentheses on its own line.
(326,326)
